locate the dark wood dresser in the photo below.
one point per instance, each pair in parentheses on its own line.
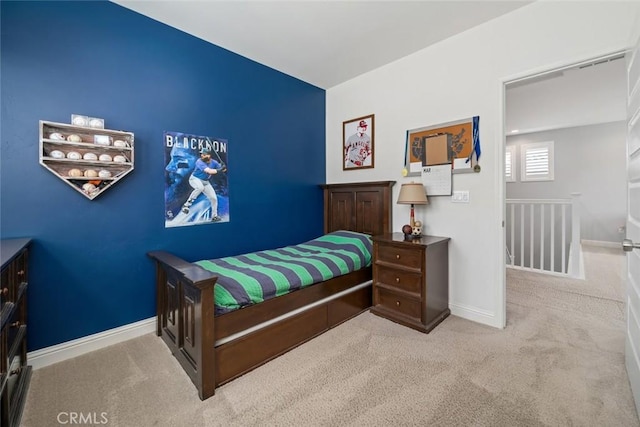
(411,280)
(14,372)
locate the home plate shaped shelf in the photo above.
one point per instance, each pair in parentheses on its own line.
(90,160)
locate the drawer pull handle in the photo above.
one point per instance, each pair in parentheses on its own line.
(16,371)
(15,324)
(397,256)
(397,280)
(398,303)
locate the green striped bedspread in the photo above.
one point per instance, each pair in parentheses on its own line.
(248,279)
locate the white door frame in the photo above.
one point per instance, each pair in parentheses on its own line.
(632,333)
(501,297)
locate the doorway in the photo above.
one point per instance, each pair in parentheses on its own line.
(580,109)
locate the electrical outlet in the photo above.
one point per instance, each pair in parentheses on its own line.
(460,197)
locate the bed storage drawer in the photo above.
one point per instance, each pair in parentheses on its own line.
(349,305)
(255,349)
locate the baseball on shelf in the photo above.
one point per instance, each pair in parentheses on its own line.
(74,138)
(57,154)
(79,121)
(89,188)
(90,156)
(90,173)
(75,173)
(57,136)
(102,139)
(104,173)
(120,159)
(105,158)
(96,123)
(120,143)
(74,155)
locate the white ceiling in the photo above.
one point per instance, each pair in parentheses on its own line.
(323,43)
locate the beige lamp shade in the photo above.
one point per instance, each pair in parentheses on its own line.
(413,193)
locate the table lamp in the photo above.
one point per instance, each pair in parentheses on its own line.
(412,194)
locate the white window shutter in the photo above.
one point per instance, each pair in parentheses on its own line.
(537,161)
(509,164)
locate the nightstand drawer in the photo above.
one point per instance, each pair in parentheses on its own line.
(404,257)
(398,303)
(407,281)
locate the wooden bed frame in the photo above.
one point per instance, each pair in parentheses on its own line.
(214,350)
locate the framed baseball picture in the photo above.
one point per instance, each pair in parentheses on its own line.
(357,143)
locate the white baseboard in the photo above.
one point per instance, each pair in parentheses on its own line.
(602,244)
(474,314)
(70,349)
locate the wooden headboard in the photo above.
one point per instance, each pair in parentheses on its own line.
(362,206)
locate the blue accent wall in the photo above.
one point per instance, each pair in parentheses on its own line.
(89,269)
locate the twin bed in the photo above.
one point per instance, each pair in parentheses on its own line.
(219,331)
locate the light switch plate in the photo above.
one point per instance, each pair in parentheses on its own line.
(460,197)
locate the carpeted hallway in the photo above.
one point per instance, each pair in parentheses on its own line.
(559,362)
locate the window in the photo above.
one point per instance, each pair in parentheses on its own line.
(509,164)
(537,161)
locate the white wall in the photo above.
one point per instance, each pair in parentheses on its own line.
(458,78)
(590,160)
(574,97)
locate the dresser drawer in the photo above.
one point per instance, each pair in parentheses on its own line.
(12,276)
(6,286)
(16,381)
(398,303)
(15,330)
(403,257)
(400,279)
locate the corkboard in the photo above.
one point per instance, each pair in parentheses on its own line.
(459,143)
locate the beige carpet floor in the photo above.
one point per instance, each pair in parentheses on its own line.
(559,362)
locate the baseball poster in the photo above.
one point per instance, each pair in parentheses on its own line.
(196,189)
(357,143)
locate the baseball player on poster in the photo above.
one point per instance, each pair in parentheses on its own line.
(204,170)
(196,184)
(358,148)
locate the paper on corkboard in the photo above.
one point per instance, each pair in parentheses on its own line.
(437,149)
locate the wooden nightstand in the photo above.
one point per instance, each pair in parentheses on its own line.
(411,280)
